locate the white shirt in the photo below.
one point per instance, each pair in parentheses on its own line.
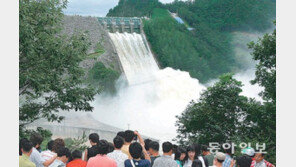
(36,158)
(47,154)
(260,164)
(119,157)
(188,163)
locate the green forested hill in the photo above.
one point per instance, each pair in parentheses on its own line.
(205,52)
(131,8)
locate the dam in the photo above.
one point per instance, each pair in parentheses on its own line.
(149,102)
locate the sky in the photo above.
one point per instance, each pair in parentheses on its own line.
(93,7)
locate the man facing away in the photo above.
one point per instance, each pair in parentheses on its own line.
(207,154)
(137,150)
(117,154)
(63,157)
(35,156)
(166,159)
(26,149)
(101,159)
(77,161)
(153,151)
(219,159)
(47,154)
(129,136)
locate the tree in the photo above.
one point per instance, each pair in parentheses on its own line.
(217,116)
(264,120)
(50,78)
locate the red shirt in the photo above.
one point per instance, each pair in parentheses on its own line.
(77,163)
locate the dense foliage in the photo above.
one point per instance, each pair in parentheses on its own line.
(103,77)
(132,8)
(226,15)
(50,78)
(222,114)
(206,51)
(194,52)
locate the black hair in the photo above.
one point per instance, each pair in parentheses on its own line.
(63,151)
(94,137)
(58,143)
(93,151)
(118,142)
(175,147)
(121,134)
(259,151)
(220,161)
(188,149)
(244,161)
(135,150)
(167,147)
(50,144)
(36,138)
(154,145)
(147,142)
(197,148)
(129,136)
(76,154)
(103,147)
(26,145)
(204,148)
(178,153)
(110,148)
(20,144)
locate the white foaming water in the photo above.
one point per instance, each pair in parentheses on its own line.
(153,97)
(135,56)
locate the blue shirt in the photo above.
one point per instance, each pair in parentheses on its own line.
(227,161)
(140,163)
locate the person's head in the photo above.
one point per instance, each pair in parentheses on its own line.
(57,144)
(175,147)
(135,150)
(111,147)
(93,151)
(180,153)
(197,148)
(63,154)
(259,157)
(205,150)
(49,145)
(36,139)
(190,152)
(153,147)
(147,142)
(76,154)
(20,144)
(244,161)
(249,151)
(167,148)
(121,134)
(219,158)
(26,147)
(94,138)
(103,147)
(118,142)
(129,136)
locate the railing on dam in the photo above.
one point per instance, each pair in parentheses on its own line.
(121,24)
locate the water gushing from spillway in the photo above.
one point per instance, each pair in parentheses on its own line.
(135,56)
(153,97)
